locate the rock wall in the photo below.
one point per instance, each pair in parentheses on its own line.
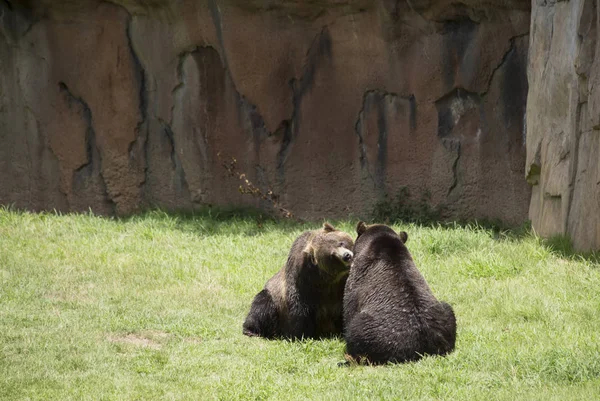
(331,104)
(563,121)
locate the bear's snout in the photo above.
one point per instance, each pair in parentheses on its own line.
(343,255)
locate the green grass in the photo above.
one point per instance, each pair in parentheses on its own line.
(151,307)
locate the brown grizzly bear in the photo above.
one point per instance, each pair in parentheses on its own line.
(304,299)
(390,313)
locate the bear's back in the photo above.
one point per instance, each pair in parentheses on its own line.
(391,283)
(391,313)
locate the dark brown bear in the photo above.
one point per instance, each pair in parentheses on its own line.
(304,299)
(390,313)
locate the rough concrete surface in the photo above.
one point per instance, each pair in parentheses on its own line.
(331,104)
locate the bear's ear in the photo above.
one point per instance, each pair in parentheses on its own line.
(328,228)
(403,236)
(361,227)
(310,252)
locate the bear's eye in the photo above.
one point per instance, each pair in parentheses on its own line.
(341,245)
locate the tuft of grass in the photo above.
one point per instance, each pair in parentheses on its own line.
(151,307)
(561,245)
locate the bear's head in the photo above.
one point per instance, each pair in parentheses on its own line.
(384,233)
(331,250)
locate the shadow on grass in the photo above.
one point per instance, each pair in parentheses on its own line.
(495,228)
(202,221)
(559,245)
(253,221)
(213,220)
(219,220)
(562,246)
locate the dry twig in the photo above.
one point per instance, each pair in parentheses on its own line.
(247,187)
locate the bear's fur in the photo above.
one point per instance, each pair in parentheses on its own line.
(304,299)
(390,313)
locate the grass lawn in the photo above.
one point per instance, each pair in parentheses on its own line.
(151,307)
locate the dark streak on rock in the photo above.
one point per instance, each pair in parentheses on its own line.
(378,99)
(459,26)
(458,34)
(319,50)
(17,21)
(413,112)
(175,161)
(215,14)
(511,50)
(94,158)
(453,145)
(252,119)
(143,99)
(549,50)
(358,129)
(180,78)
(170,137)
(253,122)
(167,129)
(248,114)
(198,55)
(574,163)
(361,142)
(514,90)
(90,135)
